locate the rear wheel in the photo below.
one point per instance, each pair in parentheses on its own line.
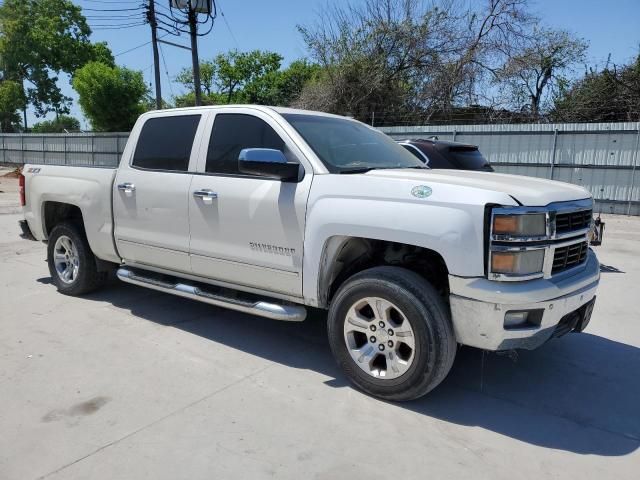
(72,264)
(391,333)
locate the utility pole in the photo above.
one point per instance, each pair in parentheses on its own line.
(151,16)
(193,30)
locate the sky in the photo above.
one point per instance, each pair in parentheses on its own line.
(611,27)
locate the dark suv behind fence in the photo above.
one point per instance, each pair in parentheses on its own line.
(447,155)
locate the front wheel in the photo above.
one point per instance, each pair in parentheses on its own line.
(71,262)
(391,333)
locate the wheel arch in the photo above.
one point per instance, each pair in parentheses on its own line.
(344,256)
(54,213)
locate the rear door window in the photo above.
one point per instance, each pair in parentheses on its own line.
(419,154)
(165,143)
(436,160)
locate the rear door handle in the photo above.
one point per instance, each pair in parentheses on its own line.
(127,188)
(205,193)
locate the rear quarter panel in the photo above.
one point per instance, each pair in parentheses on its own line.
(88,188)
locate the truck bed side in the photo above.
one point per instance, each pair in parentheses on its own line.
(50,188)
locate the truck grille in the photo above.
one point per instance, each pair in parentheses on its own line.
(569,256)
(568,222)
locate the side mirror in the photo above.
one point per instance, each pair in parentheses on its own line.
(267,162)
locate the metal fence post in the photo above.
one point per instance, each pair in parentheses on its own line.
(93,153)
(633,173)
(64,149)
(117,150)
(553,153)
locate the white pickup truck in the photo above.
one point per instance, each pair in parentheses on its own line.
(271,210)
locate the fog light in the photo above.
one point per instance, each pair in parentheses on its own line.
(515,319)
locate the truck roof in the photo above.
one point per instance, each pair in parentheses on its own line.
(264,108)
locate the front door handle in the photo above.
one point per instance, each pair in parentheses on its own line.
(127,188)
(205,193)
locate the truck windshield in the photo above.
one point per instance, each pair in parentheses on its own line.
(347,146)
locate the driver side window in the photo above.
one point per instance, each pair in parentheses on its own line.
(233,132)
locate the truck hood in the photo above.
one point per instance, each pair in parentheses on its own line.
(529,191)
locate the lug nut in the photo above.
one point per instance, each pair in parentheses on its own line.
(381,324)
(390,343)
(373,328)
(381,347)
(390,332)
(372,339)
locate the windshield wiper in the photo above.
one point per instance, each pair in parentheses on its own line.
(367,169)
(357,170)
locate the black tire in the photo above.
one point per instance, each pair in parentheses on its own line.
(435,343)
(88,277)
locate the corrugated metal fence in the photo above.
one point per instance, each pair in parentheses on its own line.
(96,149)
(601,157)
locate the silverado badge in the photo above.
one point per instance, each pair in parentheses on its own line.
(421,191)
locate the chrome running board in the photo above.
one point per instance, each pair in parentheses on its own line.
(274,311)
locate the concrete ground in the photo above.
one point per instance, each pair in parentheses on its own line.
(132,384)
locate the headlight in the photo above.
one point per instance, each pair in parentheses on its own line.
(523,225)
(522,263)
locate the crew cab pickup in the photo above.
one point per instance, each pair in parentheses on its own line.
(270,211)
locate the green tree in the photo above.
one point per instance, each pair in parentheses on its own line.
(62,124)
(235,70)
(112,98)
(609,95)
(225,79)
(207,74)
(102,53)
(280,87)
(39,39)
(11,99)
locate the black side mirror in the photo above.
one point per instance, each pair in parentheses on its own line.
(267,162)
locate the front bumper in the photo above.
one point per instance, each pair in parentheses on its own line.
(479,305)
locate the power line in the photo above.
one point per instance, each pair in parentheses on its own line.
(109,1)
(137,9)
(224,18)
(138,46)
(166,70)
(118,27)
(112,17)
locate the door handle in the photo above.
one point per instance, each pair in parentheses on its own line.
(205,193)
(127,188)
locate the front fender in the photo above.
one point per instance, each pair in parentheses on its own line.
(450,222)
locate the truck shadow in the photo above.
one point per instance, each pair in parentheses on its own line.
(580,393)
(609,269)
